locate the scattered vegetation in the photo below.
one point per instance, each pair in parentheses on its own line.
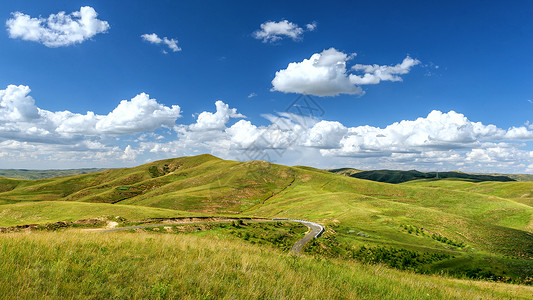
(420,231)
(397,258)
(402,259)
(281,235)
(446,263)
(446,240)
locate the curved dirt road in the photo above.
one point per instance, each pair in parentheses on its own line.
(316,229)
(316,232)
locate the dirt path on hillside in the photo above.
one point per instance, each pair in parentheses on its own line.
(316,230)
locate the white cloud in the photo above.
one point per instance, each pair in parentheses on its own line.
(207,134)
(59,29)
(439,140)
(130,153)
(520,133)
(437,131)
(443,140)
(22,120)
(16,105)
(86,153)
(137,115)
(273,31)
(325,74)
(172,44)
(152,38)
(326,134)
(311,26)
(283,133)
(243,133)
(215,121)
(374,74)
(251,95)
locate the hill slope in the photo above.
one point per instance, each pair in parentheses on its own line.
(397,176)
(41,174)
(486,231)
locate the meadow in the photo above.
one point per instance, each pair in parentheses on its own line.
(422,233)
(76,264)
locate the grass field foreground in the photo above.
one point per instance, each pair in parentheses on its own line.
(75,264)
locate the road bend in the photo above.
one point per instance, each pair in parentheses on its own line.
(316,230)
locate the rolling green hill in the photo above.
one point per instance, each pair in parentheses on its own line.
(521,192)
(41,174)
(397,176)
(460,227)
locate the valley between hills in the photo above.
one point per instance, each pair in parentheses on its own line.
(453,237)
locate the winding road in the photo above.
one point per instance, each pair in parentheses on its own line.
(316,230)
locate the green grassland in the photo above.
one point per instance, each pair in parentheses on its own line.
(51,211)
(397,176)
(89,265)
(521,192)
(41,174)
(458,227)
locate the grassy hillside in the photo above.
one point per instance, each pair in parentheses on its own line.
(41,174)
(521,192)
(397,176)
(344,171)
(205,266)
(416,175)
(475,229)
(113,184)
(50,211)
(517,177)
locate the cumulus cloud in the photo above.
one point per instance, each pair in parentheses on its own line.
(520,133)
(326,134)
(325,74)
(213,121)
(84,153)
(311,26)
(16,105)
(21,119)
(374,74)
(206,134)
(153,38)
(59,29)
(130,153)
(437,131)
(444,140)
(448,140)
(273,31)
(137,115)
(243,133)
(283,133)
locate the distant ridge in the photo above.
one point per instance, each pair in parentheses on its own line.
(43,174)
(397,176)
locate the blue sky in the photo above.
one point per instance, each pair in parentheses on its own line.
(457,74)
